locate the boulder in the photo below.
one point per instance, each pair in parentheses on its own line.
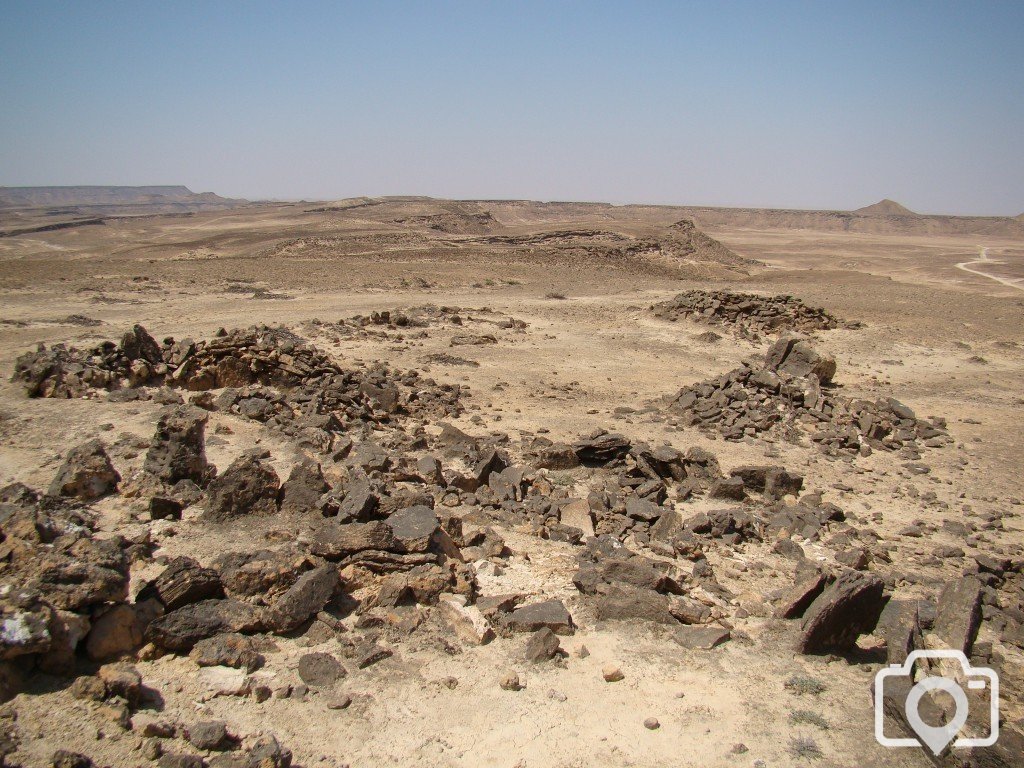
(137,344)
(849,608)
(728,488)
(229,649)
(413,528)
(86,473)
(306,597)
(542,645)
(360,502)
(248,486)
(181,629)
(701,638)
(808,584)
(122,680)
(178,450)
(773,481)
(116,632)
(302,490)
(625,603)
(334,541)
(900,625)
(183,581)
(795,356)
(601,448)
(548,613)
(958,613)
(210,735)
(320,670)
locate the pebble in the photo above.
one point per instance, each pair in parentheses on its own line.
(612,674)
(652,724)
(510,682)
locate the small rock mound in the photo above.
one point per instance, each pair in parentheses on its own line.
(748,313)
(789,391)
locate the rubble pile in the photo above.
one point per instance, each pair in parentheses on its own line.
(412,322)
(749,314)
(266,374)
(790,390)
(62,586)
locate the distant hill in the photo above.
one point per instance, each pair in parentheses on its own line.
(885,208)
(175,196)
(24,210)
(854,221)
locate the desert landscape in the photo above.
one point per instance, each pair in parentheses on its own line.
(410,481)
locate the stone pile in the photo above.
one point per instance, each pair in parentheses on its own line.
(789,390)
(62,586)
(748,313)
(411,322)
(267,374)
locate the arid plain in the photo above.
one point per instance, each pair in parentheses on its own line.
(531,326)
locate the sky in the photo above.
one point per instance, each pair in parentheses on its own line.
(764,104)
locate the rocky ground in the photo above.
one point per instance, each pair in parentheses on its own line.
(362,484)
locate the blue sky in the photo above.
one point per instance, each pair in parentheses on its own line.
(784,104)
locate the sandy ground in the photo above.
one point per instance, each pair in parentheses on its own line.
(946,342)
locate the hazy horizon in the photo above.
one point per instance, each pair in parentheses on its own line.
(795,105)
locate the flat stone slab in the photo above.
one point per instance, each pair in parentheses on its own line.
(549,613)
(701,638)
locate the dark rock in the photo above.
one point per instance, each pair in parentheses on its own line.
(181,629)
(959,613)
(542,645)
(637,571)
(178,451)
(306,597)
(901,627)
(622,602)
(413,528)
(86,474)
(601,449)
(368,654)
(183,581)
(701,638)
(549,613)
(429,469)
(788,548)
(335,541)
(163,508)
(794,356)
(179,760)
(320,670)
(248,486)
(268,753)
(62,758)
(773,481)
(228,650)
(137,344)
(728,488)
(122,680)
(642,509)
(492,461)
(210,735)
(556,456)
(847,609)
(302,490)
(360,501)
